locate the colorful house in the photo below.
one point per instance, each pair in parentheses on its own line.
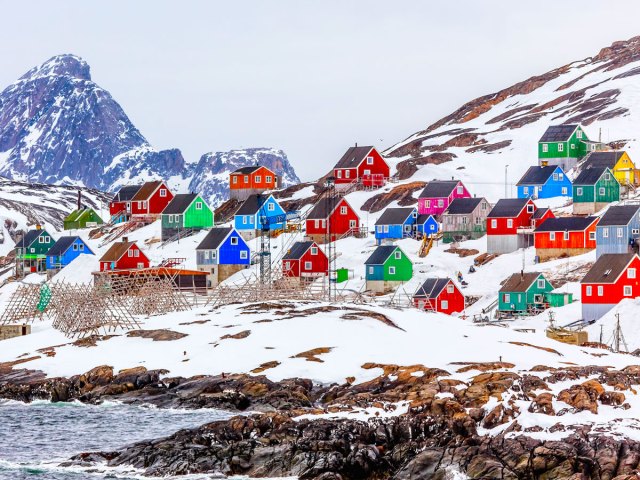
(439,295)
(361,164)
(151,199)
(306,261)
(611,279)
(187,212)
(332,219)
(565,237)
(594,189)
(396,223)
(544,182)
(386,268)
(259,212)
(65,250)
(540,216)
(618,162)
(251,180)
(618,230)
(222,253)
(120,204)
(427,225)
(465,218)
(123,255)
(564,145)
(523,293)
(84,217)
(510,225)
(31,251)
(437,195)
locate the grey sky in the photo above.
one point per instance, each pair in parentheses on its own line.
(308,77)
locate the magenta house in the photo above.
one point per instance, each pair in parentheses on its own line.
(438,194)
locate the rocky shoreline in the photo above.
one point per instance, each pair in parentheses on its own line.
(407,423)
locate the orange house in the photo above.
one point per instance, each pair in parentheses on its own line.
(246,181)
(565,237)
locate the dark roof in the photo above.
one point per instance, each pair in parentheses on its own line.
(126,193)
(603,159)
(439,188)
(618,215)
(297,250)
(246,170)
(462,206)
(180,203)
(507,207)
(423,218)
(252,204)
(380,255)
(395,215)
(147,190)
(324,207)
(608,268)
(29,237)
(214,238)
(561,224)
(117,250)
(539,213)
(520,282)
(353,157)
(62,245)
(432,287)
(558,133)
(589,176)
(537,175)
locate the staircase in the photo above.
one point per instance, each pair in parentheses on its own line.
(181,234)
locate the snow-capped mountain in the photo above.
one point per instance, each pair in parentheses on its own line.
(211,174)
(477,141)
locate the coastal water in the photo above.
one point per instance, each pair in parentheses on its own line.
(35,438)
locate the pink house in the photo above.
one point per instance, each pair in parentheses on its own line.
(438,194)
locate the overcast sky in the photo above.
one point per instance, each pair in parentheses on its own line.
(308,77)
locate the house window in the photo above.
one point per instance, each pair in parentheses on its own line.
(198,205)
(619,232)
(526,190)
(352,224)
(541,283)
(258,178)
(552,236)
(163,192)
(566,235)
(347,173)
(631,273)
(314,250)
(600,290)
(449,288)
(271,207)
(379,228)
(268,179)
(371,270)
(579,134)
(234,240)
(307,265)
(579,191)
(130,253)
(628,291)
(444,304)
(140,265)
(392,270)
(214,254)
(592,235)
(317,223)
(287,265)
(561,147)
(545,147)
(136,253)
(343,210)
(33,250)
(573,147)
(494,223)
(369,160)
(246,179)
(440,203)
(564,190)
(81,247)
(244,254)
(607,176)
(561,176)
(206,254)
(555,177)
(530,208)
(510,223)
(339,175)
(386,229)
(506,298)
(635,231)
(589,290)
(234,179)
(397,254)
(427,203)
(75,246)
(460,190)
(605,233)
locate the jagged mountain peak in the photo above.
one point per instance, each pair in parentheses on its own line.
(66,65)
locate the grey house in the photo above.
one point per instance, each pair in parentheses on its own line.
(618,230)
(465,218)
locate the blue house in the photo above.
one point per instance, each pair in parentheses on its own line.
(427,225)
(544,182)
(259,211)
(222,253)
(65,250)
(618,230)
(396,223)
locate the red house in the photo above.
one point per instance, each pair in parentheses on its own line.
(439,295)
(124,255)
(120,204)
(565,237)
(151,199)
(540,215)
(363,164)
(247,181)
(305,260)
(611,279)
(334,218)
(510,225)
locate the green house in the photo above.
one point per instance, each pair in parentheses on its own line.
(524,293)
(82,218)
(387,267)
(187,212)
(31,251)
(564,145)
(594,189)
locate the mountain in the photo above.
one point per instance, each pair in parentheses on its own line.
(211,174)
(477,140)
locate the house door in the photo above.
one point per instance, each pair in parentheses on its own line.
(352,224)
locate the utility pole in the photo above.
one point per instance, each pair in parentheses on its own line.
(618,336)
(506,167)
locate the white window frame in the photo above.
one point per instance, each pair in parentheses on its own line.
(541,283)
(163,192)
(75,247)
(607,176)
(246,179)
(545,147)
(287,265)
(207,254)
(343,210)
(244,254)
(631,273)
(258,178)
(460,189)
(136,253)
(510,223)
(635,231)
(444,304)
(450,288)
(578,190)
(555,177)
(560,147)
(579,134)
(592,235)
(385,228)
(627,290)
(314,250)
(530,208)
(526,190)
(369,160)
(392,270)
(308,265)
(494,223)
(347,173)
(506,298)
(397,254)
(552,236)
(564,191)
(440,203)
(234,240)
(271,207)
(605,232)
(589,290)
(566,235)
(234,179)
(371,269)
(600,291)
(619,232)
(339,173)
(198,205)
(601,191)
(268,178)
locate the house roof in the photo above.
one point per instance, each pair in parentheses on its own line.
(423,218)
(463,206)
(603,159)
(558,133)
(589,176)
(297,250)
(608,268)
(147,190)
(353,157)
(28,238)
(116,251)
(539,213)
(180,203)
(618,215)
(508,207)
(432,287)
(519,282)
(246,170)
(395,215)
(537,175)
(571,224)
(439,188)
(214,238)
(252,204)
(62,245)
(325,207)
(380,255)
(77,214)
(126,193)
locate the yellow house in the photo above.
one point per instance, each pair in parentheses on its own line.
(618,161)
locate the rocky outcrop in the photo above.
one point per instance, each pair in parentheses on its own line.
(403,194)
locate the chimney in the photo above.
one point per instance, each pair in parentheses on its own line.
(521,274)
(79,199)
(125,239)
(38,226)
(356,144)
